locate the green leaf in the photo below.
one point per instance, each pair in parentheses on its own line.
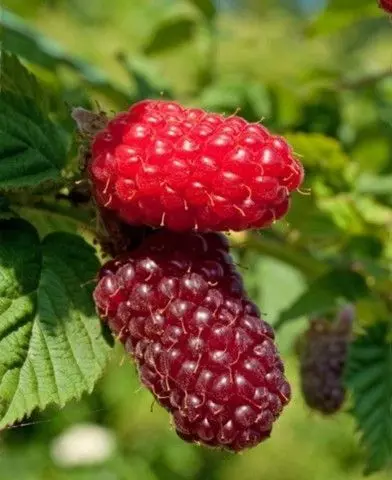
(313,226)
(363,247)
(324,293)
(32,149)
(372,211)
(275,247)
(369,376)
(341,14)
(171,33)
(225,96)
(53,216)
(17,79)
(375,185)
(370,140)
(20,39)
(206,7)
(318,150)
(343,210)
(271,273)
(145,77)
(5,210)
(49,99)
(51,346)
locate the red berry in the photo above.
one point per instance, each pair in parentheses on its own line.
(386,5)
(178,305)
(160,164)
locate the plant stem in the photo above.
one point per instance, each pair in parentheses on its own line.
(307,264)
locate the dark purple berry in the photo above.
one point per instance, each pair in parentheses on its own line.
(198,341)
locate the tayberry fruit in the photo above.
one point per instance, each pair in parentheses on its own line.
(164,165)
(179,306)
(323,354)
(386,5)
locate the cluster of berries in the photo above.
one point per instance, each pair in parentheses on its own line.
(176,300)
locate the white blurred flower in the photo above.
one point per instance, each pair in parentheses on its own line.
(83,444)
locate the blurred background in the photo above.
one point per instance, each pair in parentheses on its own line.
(316,71)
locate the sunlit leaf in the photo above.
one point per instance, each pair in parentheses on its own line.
(51,346)
(170,33)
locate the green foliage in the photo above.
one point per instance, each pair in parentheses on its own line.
(26,86)
(20,39)
(32,150)
(375,185)
(206,7)
(51,350)
(225,96)
(145,77)
(5,210)
(170,33)
(369,376)
(318,151)
(341,14)
(337,285)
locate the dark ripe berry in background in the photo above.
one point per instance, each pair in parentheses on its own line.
(161,164)
(323,356)
(179,306)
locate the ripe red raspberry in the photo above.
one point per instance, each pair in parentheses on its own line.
(386,5)
(178,305)
(160,164)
